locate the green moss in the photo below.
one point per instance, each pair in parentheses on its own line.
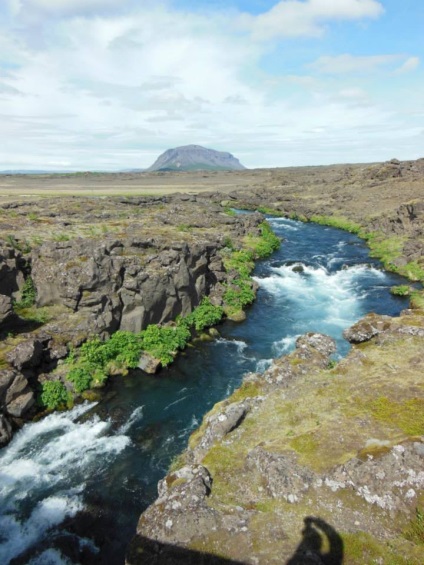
(362,549)
(337,222)
(246,390)
(304,444)
(407,415)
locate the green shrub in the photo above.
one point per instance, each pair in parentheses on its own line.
(239,294)
(28,295)
(204,316)
(163,342)
(240,261)
(54,395)
(82,375)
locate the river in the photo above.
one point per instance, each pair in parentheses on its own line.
(73,485)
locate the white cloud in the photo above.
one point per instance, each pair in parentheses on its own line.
(62,7)
(346,63)
(293,18)
(113,92)
(410,64)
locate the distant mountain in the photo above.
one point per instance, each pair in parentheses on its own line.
(195,158)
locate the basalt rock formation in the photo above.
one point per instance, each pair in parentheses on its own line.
(131,263)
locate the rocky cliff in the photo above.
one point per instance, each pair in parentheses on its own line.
(121,265)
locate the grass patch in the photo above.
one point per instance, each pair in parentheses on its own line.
(264,244)
(270,211)
(337,222)
(414,532)
(387,249)
(363,549)
(304,444)
(400,290)
(417,300)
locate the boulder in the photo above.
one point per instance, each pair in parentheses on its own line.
(21,405)
(218,424)
(148,363)
(27,354)
(364,330)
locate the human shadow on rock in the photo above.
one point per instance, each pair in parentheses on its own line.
(316,535)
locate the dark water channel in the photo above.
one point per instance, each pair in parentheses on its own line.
(73,485)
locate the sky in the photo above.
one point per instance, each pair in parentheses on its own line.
(111,84)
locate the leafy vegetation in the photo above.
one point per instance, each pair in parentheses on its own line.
(204,316)
(54,395)
(240,292)
(20,245)
(240,261)
(96,360)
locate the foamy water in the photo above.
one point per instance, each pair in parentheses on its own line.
(43,471)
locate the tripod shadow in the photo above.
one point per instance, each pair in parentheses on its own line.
(310,550)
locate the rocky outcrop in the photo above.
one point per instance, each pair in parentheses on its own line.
(347,442)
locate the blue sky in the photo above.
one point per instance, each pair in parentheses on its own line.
(111,84)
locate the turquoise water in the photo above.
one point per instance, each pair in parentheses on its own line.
(73,485)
